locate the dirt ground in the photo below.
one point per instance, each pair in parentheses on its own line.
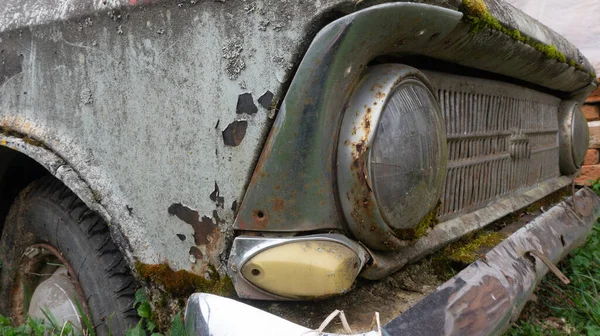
(390,297)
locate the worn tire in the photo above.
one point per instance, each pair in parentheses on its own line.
(48,212)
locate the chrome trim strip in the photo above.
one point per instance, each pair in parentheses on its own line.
(449,231)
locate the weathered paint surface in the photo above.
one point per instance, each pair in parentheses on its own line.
(128,99)
(125,96)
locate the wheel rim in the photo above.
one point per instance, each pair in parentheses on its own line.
(46,280)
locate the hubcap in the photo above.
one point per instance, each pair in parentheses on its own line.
(56,296)
(47,288)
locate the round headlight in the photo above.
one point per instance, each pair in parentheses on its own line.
(391,157)
(574,137)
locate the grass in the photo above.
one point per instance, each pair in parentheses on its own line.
(51,327)
(572,309)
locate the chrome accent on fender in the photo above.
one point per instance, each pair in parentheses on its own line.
(207,314)
(292,188)
(245,247)
(574,136)
(363,208)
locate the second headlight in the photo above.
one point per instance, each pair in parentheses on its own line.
(391,157)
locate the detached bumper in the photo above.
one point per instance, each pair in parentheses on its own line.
(483,299)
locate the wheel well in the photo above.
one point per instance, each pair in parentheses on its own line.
(17,170)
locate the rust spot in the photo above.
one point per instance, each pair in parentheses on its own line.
(278,204)
(479,306)
(235,133)
(376,86)
(203,228)
(366,123)
(260,219)
(277,187)
(196,252)
(380,95)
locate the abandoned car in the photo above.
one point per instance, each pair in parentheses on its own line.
(284,151)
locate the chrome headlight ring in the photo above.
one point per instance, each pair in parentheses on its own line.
(392,156)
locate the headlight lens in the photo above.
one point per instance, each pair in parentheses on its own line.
(391,157)
(574,137)
(580,134)
(408,156)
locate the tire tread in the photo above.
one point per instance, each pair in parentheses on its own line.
(95,229)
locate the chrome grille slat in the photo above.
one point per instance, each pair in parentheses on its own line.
(501,138)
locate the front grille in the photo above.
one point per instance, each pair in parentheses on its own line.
(502,138)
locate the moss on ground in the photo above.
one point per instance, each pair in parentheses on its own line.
(467,252)
(450,260)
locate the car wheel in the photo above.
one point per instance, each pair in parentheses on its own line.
(58,255)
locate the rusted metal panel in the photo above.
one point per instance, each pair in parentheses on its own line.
(486,297)
(297,165)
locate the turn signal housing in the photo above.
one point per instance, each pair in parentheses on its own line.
(303,269)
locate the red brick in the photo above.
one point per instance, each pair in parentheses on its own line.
(592,157)
(591,112)
(594,96)
(588,173)
(594,134)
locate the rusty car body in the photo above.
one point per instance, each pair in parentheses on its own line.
(243,140)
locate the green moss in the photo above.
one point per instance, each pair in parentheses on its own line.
(429,221)
(183,283)
(455,256)
(477,15)
(466,252)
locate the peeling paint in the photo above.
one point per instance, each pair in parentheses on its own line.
(203,227)
(245,104)
(266,100)
(216,197)
(235,133)
(235,62)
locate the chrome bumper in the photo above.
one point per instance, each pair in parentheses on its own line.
(483,299)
